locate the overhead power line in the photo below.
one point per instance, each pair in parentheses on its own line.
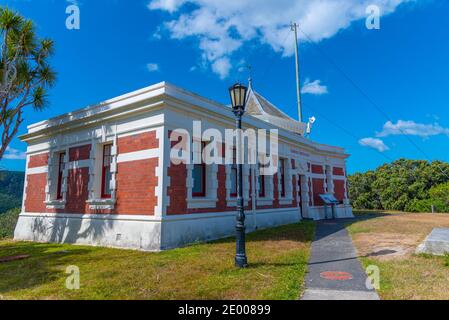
(371,101)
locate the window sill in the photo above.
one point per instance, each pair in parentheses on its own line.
(101,204)
(55,204)
(199,203)
(285,201)
(264,201)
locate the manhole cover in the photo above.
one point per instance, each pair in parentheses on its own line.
(336,275)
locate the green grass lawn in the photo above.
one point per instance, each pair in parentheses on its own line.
(278,261)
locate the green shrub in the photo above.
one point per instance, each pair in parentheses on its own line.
(8,202)
(403,185)
(438,197)
(8,223)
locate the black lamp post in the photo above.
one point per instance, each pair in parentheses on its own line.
(238,99)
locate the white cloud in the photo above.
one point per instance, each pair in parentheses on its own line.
(314,87)
(411,128)
(14,154)
(152,67)
(222,67)
(223,26)
(167,5)
(374,143)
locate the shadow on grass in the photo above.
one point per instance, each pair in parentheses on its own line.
(298,232)
(47,263)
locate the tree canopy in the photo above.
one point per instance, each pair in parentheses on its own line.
(404,185)
(11,189)
(25,74)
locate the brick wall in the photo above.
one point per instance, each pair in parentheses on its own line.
(136,180)
(40,160)
(318,169)
(339,189)
(79,153)
(77,191)
(35,193)
(138,142)
(338,171)
(136,185)
(318,188)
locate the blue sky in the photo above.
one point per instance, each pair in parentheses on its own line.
(381,94)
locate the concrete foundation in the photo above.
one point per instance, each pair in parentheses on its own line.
(144,233)
(437,243)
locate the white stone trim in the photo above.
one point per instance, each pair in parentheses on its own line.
(78,164)
(25,183)
(264,201)
(201,203)
(55,204)
(52,178)
(161,172)
(100,139)
(210,200)
(129,217)
(101,204)
(288,199)
(37,170)
(138,155)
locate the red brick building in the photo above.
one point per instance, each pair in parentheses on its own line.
(103,175)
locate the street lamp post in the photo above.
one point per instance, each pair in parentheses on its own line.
(238,99)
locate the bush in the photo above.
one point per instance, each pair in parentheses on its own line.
(438,197)
(8,202)
(403,185)
(8,223)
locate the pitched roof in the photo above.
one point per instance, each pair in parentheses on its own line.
(261,108)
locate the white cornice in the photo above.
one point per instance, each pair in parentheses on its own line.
(152,98)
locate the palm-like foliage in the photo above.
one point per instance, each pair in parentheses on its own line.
(25,74)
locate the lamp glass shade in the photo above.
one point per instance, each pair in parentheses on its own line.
(238,97)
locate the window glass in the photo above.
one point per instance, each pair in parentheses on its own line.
(106,172)
(282,173)
(60,173)
(261,183)
(199,177)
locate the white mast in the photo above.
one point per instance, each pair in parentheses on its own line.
(294,27)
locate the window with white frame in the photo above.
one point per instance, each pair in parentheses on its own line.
(61,167)
(261,182)
(55,192)
(102,176)
(282,177)
(199,175)
(202,183)
(106,174)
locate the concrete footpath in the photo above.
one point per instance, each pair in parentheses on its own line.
(334,270)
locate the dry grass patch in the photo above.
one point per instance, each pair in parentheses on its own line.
(389,241)
(278,260)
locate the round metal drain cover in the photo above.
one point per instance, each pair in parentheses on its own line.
(336,276)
